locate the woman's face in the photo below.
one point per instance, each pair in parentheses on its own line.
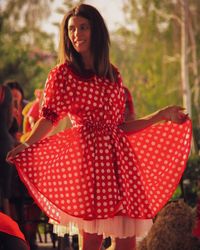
(79,33)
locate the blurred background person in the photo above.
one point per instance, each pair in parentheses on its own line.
(18,104)
(15,200)
(6,116)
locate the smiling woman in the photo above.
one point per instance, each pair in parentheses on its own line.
(109,174)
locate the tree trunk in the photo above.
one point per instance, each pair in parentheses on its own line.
(184,58)
(196,85)
(184,62)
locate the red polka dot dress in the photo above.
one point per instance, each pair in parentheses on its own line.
(94,174)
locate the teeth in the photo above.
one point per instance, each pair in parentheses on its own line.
(79,42)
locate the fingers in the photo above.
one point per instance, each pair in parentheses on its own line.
(9,157)
(179,117)
(177,109)
(9,160)
(182,115)
(12,154)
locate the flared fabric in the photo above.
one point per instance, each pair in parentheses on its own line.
(94,171)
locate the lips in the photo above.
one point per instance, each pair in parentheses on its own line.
(79,42)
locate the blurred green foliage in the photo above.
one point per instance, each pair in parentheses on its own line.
(148,53)
(27,52)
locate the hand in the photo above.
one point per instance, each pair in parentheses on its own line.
(14,152)
(174,114)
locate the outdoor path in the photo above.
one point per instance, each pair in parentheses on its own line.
(48,246)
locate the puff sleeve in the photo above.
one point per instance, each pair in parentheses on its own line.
(57,95)
(129,106)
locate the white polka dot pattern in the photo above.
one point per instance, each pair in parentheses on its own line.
(94,170)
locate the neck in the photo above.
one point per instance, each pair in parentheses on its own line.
(87,61)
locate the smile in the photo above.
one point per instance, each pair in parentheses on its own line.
(79,42)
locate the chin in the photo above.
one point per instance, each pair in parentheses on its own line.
(82,51)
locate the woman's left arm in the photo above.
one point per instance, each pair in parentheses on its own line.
(169,113)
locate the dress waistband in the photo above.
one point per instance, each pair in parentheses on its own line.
(96,125)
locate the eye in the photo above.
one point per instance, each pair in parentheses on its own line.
(71,28)
(84,27)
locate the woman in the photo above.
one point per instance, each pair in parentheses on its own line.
(107,174)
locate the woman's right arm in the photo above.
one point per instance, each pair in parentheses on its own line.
(41,128)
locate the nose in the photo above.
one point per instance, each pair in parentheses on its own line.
(76,32)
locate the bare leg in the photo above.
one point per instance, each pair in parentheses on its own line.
(92,241)
(128,243)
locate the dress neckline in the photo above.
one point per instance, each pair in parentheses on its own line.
(87,74)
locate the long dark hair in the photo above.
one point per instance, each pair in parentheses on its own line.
(100,42)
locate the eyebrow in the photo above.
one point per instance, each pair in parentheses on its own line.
(84,23)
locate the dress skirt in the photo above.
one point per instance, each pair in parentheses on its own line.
(94,175)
